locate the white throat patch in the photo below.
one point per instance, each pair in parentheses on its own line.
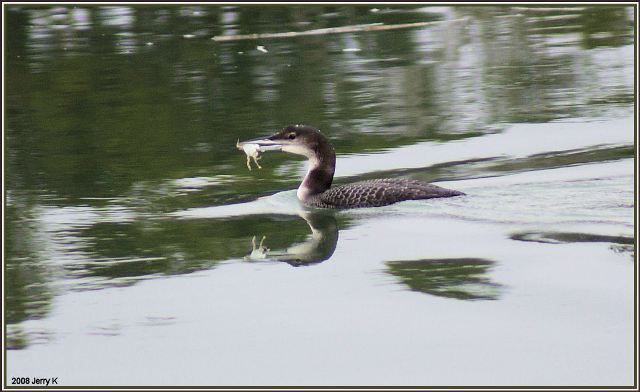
(298,150)
(304,190)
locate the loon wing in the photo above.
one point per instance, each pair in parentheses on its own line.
(381,192)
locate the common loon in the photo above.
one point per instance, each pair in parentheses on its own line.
(315,190)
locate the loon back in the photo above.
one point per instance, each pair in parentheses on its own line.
(315,189)
(378,193)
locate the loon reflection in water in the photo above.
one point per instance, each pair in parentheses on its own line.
(315,190)
(318,247)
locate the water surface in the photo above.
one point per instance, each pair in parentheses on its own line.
(139,250)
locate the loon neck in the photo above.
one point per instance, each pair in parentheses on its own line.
(322,166)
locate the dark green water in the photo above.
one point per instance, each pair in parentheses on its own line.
(129,214)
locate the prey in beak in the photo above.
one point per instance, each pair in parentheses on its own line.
(253,148)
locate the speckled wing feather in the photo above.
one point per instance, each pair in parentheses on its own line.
(380,192)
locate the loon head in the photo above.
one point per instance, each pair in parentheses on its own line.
(300,140)
(311,143)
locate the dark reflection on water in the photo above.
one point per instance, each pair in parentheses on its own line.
(564,238)
(122,253)
(107,254)
(109,110)
(26,276)
(450,278)
(619,244)
(94,94)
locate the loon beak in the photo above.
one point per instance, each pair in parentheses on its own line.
(266,144)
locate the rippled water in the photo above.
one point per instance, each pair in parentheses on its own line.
(139,250)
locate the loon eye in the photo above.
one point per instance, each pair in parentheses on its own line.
(291,136)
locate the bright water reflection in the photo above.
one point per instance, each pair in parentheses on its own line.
(131,219)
